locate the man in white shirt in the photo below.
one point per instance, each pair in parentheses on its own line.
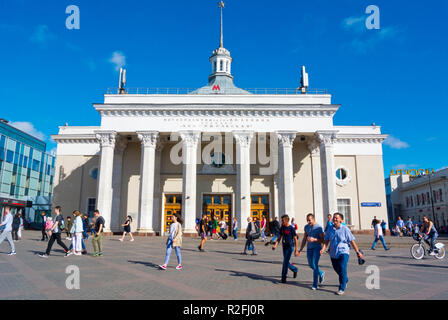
(6,234)
(379,236)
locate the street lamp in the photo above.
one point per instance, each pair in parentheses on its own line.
(432,202)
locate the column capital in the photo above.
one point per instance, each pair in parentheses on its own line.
(121,144)
(106,138)
(326,138)
(148,138)
(314,147)
(286,138)
(190,138)
(243,138)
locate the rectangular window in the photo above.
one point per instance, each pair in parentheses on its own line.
(344,207)
(91,206)
(412,201)
(25,162)
(36,164)
(440,195)
(9,156)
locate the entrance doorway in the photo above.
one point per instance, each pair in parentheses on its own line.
(218,207)
(173,204)
(260,208)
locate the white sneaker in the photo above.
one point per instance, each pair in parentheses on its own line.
(121,240)
(340,293)
(132,240)
(68,254)
(433,253)
(12,253)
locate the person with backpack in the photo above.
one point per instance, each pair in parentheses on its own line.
(251,235)
(55,233)
(6,226)
(222,229)
(174,241)
(69,228)
(275,229)
(290,242)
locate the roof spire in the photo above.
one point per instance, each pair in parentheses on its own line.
(221,5)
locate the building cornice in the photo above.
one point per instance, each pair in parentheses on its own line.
(75,138)
(360,138)
(302,111)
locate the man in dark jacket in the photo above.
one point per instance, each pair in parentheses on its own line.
(250,231)
(15,226)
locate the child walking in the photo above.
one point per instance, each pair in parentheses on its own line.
(127,229)
(174,241)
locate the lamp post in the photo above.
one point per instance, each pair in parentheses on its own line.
(432,202)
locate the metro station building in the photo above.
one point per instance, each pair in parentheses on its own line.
(276,151)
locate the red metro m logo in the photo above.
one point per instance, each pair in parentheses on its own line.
(216,87)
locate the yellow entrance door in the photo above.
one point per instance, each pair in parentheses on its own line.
(173,204)
(218,207)
(260,208)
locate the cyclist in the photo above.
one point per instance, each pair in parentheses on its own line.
(430,234)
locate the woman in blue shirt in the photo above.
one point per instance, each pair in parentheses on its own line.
(314,236)
(340,238)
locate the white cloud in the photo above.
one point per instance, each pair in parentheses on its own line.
(28,127)
(118,59)
(41,35)
(404,166)
(53,151)
(396,143)
(356,24)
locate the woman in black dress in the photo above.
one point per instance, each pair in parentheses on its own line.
(127,229)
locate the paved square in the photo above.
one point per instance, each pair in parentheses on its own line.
(129,270)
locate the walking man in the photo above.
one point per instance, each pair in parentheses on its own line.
(235,229)
(43,227)
(251,230)
(6,225)
(97,239)
(340,238)
(55,234)
(203,232)
(289,242)
(314,236)
(379,236)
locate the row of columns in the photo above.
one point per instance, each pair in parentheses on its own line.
(109,179)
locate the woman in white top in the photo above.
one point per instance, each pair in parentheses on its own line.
(77,230)
(174,241)
(379,236)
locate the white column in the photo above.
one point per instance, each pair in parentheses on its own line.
(314,147)
(157,190)
(145,218)
(190,140)
(105,173)
(115,222)
(243,200)
(327,139)
(286,173)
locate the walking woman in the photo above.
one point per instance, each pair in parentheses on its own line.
(77,232)
(314,236)
(174,241)
(127,229)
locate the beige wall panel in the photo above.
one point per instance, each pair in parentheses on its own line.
(72,190)
(303,186)
(350,190)
(130,184)
(371,188)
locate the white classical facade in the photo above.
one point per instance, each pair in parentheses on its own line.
(278,150)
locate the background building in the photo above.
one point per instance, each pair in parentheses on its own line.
(125,165)
(26,173)
(415,197)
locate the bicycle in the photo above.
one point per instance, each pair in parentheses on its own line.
(420,249)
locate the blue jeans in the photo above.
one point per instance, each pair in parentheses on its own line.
(263,235)
(287,252)
(432,236)
(169,248)
(340,266)
(313,256)
(250,245)
(235,234)
(382,241)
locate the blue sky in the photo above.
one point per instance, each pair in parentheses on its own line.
(395,76)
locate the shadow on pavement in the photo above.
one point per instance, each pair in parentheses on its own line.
(147,264)
(422,265)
